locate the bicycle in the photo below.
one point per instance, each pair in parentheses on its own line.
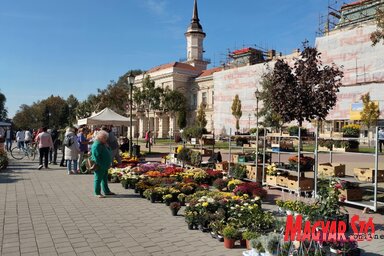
(29,151)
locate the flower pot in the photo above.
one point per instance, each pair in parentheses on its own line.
(136,190)
(153,198)
(229,243)
(167,203)
(248,244)
(174,212)
(220,238)
(126,185)
(213,235)
(190,226)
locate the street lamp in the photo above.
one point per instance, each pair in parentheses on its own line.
(131,81)
(257,95)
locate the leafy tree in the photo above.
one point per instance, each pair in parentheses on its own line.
(182,119)
(270,117)
(378,35)
(148,98)
(201,120)
(370,113)
(3,110)
(306,91)
(87,107)
(236,110)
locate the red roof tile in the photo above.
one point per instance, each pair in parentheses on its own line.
(172,65)
(355,3)
(209,72)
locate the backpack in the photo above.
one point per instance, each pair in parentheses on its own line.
(68,141)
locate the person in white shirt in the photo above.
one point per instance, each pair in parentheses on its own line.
(381,139)
(20,138)
(27,137)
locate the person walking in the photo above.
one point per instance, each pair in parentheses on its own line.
(147,138)
(71,151)
(8,139)
(20,137)
(381,139)
(83,143)
(113,145)
(27,137)
(45,142)
(101,155)
(53,153)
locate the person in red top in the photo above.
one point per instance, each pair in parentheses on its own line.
(44,139)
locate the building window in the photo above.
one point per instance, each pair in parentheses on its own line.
(204,98)
(194,100)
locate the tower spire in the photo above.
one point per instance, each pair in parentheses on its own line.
(195,22)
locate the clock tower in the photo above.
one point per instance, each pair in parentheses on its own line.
(195,37)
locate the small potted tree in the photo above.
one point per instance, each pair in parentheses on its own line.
(248,235)
(231,234)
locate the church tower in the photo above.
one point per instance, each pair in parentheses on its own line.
(195,37)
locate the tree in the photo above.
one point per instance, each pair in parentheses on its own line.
(182,119)
(175,103)
(3,110)
(307,91)
(378,35)
(270,117)
(371,112)
(236,110)
(201,120)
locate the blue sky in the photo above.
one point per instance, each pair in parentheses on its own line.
(76,46)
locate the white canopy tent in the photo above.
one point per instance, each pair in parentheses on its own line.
(105,117)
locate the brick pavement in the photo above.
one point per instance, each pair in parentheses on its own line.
(49,213)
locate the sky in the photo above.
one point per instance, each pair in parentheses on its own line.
(77,46)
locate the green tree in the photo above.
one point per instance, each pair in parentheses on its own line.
(370,113)
(270,117)
(3,110)
(201,119)
(236,110)
(182,119)
(306,91)
(378,34)
(175,104)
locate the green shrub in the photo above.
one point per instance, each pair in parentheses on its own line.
(351,130)
(193,132)
(239,171)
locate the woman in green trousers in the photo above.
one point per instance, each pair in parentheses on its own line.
(102,156)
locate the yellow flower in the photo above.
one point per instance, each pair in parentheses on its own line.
(205,204)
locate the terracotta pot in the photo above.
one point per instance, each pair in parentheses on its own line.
(248,244)
(229,243)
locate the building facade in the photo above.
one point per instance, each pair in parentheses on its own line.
(348,45)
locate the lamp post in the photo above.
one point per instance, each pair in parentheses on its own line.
(131,81)
(257,95)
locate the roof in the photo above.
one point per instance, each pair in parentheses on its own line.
(179,65)
(107,117)
(210,72)
(244,50)
(360,2)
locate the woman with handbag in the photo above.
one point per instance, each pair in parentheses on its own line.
(101,155)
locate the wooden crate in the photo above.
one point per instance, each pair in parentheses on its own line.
(282,181)
(237,158)
(331,170)
(252,174)
(306,184)
(352,194)
(271,180)
(207,141)
(223,166)
(368,174)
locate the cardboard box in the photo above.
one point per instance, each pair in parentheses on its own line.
(306,184)
(331,170)
(271,180)
(223,166)
(252,174)
(368,174)
(207,141)
(352,194)
(282,181)
(237,158)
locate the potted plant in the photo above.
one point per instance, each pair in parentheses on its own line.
(181,198)
(191,218)
(167,199)
(231,234)
(345,248)
(175,207)
(257,246)
(220,184)
(270,243)
(248,235)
